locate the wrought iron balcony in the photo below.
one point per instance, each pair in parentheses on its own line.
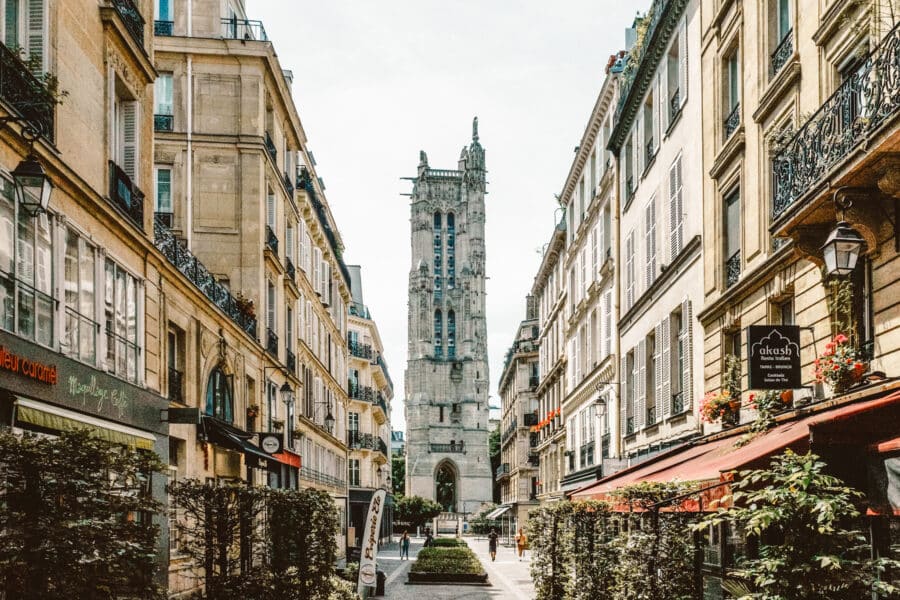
(360,392)
(163,28)
(782,53)
(530,419)
(533,382)
(629,187)
(288,184)
(678,403)
(360,441)
(651,416)
(629,425)
(322,478)
(382,447)
(304,182)
(380,362)
(271,342)
(270,147)
(864,103)
(733,269)
(132,19)
(359,350)
(25,93)
(732,120)
(176,385)
(126,195)
(380,403)
(534,439)
(534,460)
(651,151)
(163,123)
(290,360)
(289,269)
(502,470)
(243,29)
(674,104)
(510,429)
(178,255)
(166,218)
(271,240)
(458,447)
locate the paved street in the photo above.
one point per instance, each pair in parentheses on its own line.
(509,578)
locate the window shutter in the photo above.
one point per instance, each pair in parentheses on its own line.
(686,386)
(680,203)
(308,258)
(663,103)
(590,359)
(270,210)
(658,102)
(35,35)
(607,324)
(640,409)
(316,265)
(129,139)
(650,240)
(624,378)
(289,243)
(676,210)
(657,371)
(638,146)
(664,398)
(683,63)
(629,270)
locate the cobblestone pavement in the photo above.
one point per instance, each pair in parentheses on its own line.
(509,578)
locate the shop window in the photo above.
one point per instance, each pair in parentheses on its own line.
(121,316)
(219,400)
(79,325)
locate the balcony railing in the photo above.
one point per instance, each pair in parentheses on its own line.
(360,441)
(533,382)
(304,181)
(629,187)
(243,29)
(674,104)
(782,53)
(452,448)
(360,392)
(733,269)
(176,385)
(380,362)
(270,147)
(502,470)
(163,28)
(126,195)
(271,342)
(163,123)
(132,19)
(651,151)
(856,111)
(289,269)
(651,416)
(183,260)
(290,360)
(288,184)
(511,428)
(322,478)
(629,425)
(678,403)
(382,447)
(732,120)
(359,350)
(380,402)
(271,240)
(25,93)
(166,218)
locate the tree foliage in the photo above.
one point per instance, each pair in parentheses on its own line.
(416,510)
(803,520)
(76,519)
(398,474)
(550,539)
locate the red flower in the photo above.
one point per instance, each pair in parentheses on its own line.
(840,338)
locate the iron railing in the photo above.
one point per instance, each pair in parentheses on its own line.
(629,425)
(304,181)
(509,430)
(453,448)
(651,416)
(732,120)
(379,360)
(323,478)
(361,441)
(25,93)
(271,342)
(126,195)
(176,385)
(271,240)
(243,29)
(533,382)
(176,253)
(289,269)
(166,218)
(856,111)
(502,470)
(360,392)
(163,28)
(650,151)
(733,269)
(270,147)
(674,104)
(782,53)
(359,350)
(382,447)
(288,184)
(163,123)
(678,403)
(132,19)
(530,419)
(629,187)
(290,360)
(381,403)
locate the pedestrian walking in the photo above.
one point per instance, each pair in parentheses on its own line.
(429,539)
(404,545)
(492,544)
(521,543)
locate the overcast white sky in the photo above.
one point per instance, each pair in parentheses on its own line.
(375,82)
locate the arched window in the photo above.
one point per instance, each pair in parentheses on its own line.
(445,486)
(437,221)
(451,334)
(219,402)
(451,223)
(438,334)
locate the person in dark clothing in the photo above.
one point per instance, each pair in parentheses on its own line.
(429,539)
(492,544)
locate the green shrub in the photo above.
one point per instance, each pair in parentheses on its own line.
(447,542)
(447,560)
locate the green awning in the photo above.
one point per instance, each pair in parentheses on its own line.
(55,420)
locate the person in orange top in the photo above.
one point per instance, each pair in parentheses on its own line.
(521,543)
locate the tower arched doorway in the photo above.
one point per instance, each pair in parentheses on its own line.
(446,485)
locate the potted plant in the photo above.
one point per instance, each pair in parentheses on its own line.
(841,365)
(245,306)
(719,406)
(252,411)
(277,424)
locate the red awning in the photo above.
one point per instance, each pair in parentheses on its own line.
(287,457)
(710,462)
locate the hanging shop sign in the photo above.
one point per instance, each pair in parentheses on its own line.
(271,443)
(774,357)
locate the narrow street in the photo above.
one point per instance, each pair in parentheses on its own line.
(509,578)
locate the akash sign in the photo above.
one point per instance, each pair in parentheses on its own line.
(774,357)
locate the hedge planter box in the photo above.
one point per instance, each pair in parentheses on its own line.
(457,565)
(467,578)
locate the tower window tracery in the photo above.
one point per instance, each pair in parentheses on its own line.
(438,334)
(451,334)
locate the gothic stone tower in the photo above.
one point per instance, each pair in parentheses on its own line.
(447,373)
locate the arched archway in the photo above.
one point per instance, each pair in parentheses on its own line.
(445,485)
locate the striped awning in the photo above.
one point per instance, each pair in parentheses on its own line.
(54,418)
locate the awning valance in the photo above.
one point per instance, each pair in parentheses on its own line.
(222,434)
(497,512)
(54,418)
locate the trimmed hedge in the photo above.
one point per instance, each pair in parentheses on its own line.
(447,561)
(447,543)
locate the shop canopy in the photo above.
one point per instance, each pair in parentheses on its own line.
(710,461)
(497,512)
(54,418)
(227,436)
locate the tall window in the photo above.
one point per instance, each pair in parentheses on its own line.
(732,93)
(650,383)
(162,94)
(164,10)
(271,402)
(80,328)
(219,402)
(270,305)
(23,27)
(677,337)
(676,210)
(650,241)
(438,334)
(125,137)
(354,471)
(451,334)
(631,380)
(164,194)
(270,209)
(121,315)
(732,229)
(783,19)
(26,272)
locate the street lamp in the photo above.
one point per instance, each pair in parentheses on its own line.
(329,418)
(841,249)
(33,187)
(287,396)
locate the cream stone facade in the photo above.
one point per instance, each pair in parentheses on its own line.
(518,473)
(369,416)
(447,370)
(658,151)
